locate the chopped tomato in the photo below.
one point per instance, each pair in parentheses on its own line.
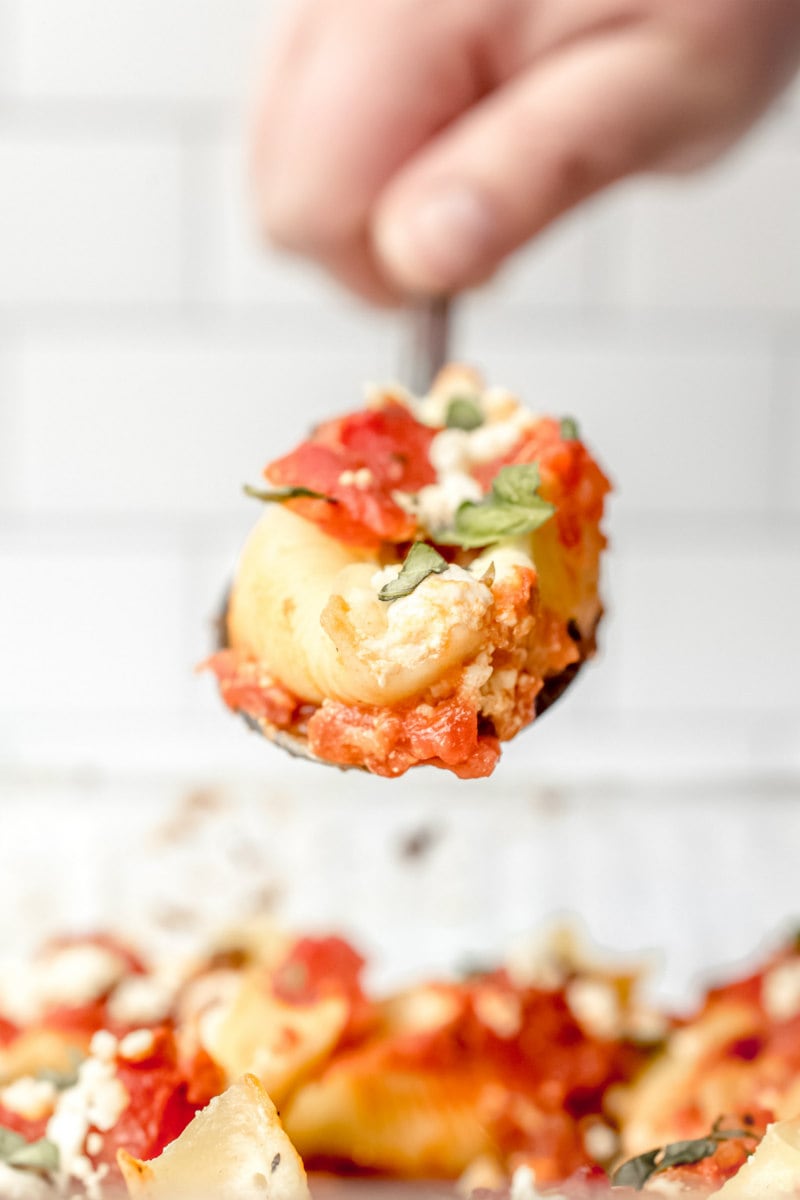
(32,1131)
(82,1019)
(731,1153)
(160,1107)
(571,479)
(390,740)
(317,967)
(8,1031)
(390,450)
(246,687)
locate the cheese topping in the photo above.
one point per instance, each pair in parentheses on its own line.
(141,1000)
(97,1101)
(446,608)
(781,991)
(30,1098)
(499,1011)
(454,453)
(69,975)
(137,1045)
(595,1006)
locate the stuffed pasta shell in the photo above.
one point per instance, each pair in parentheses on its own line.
(422,582)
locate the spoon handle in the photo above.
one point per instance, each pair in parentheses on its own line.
(428,342)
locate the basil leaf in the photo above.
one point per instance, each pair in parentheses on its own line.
(421,561)
(279,495)
(683,1154)
(480,524)
(570,430)
(512,508)
(33,1156)
(636,1171)
(517,485)
(10,1141)
(463,413)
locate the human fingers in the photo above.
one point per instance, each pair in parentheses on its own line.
(356,89)
(555,135)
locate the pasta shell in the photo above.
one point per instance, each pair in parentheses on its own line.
(235,1147)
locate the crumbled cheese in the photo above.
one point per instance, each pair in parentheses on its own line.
(103,1046)
(600,1142)
(499,404)
(505,559)
(780,991)
(425,1009)
(420,624)
(68,975)
(595,1006)
(436,504)
(449,451)
(499,1011)
(96,1100)
(376,395)
(523,1184)
(137,1045)
(141,1000)
(549,957)
(482,1174)
(94,1143)
(30,1098)
(488,442)
(362,478)
(687,1044)
(646,1025)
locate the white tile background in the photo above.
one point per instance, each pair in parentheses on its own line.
(153,356)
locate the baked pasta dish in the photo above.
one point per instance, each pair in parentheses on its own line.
(547,1076)
(423,580)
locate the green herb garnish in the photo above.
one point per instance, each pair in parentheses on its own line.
(512,508)
(31,1156)
(279,495)
(421,561)
(463,413)
(636,1171)
(570,430)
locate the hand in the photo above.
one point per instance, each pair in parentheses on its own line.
(411,145)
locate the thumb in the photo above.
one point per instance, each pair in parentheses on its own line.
(568,127)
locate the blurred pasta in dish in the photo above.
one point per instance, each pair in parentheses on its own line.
(548,1076)
(423,581)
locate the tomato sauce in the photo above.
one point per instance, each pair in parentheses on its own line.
(246,687)
(390,740)
(329,966)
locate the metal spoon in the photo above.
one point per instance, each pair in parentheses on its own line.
(426,353)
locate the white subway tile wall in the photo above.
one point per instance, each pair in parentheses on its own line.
(153,355)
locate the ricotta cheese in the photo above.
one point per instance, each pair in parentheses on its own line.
(68,976)
(595,1006)
(781,991)
(141,1000)
(30,1098)
(419,625)
(95,1102)
(137,1045)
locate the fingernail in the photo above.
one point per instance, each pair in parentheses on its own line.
(448,239)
